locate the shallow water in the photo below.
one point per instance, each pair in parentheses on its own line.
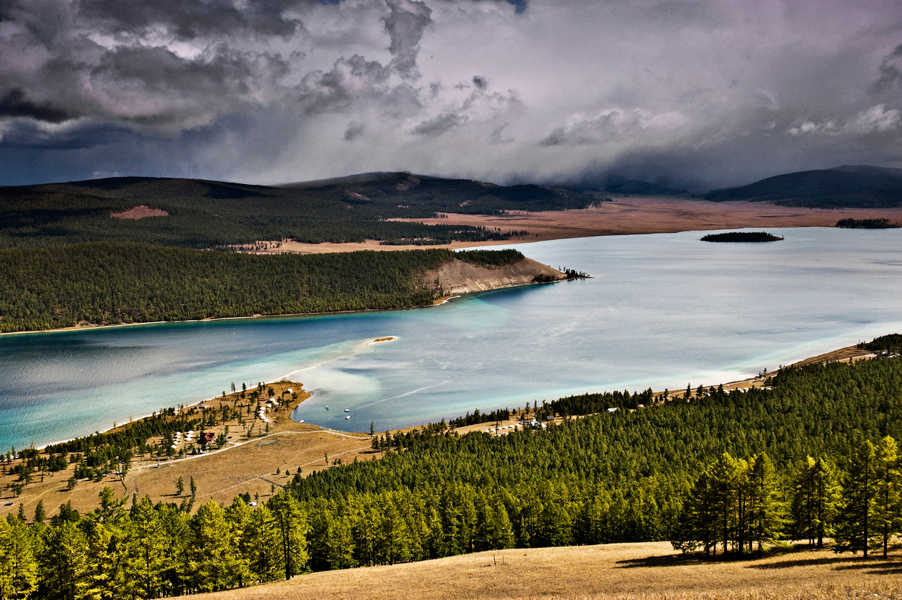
(660,311)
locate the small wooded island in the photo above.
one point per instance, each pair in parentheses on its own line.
(741,236)
(867,224)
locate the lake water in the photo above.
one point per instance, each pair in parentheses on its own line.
(660,311)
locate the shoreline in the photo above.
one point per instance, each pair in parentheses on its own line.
(289,446)
(797,217)
(436,302)
(843,354)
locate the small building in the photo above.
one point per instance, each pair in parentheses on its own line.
(206,437)
(612,410)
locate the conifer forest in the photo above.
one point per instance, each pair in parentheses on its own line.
(811,454)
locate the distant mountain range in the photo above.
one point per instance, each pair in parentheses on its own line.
(212,213)
(855,186)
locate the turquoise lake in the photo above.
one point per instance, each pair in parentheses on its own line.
(660,311)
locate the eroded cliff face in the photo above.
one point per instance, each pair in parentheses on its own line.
(457,277)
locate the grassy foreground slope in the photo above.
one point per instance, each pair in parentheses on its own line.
(109,283)
(647,571)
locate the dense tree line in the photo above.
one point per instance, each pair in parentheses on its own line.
(891,344)
(740,503)
(867,224)
(204,214)
(501,414)
(662,472)
(108,283)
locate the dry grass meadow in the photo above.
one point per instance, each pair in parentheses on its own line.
(650,571)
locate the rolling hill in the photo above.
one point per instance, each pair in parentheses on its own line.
(858,186)
(205,214)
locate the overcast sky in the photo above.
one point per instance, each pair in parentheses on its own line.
(694,93)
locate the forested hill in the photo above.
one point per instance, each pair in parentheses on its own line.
(857,186)
(711,471)
(206,214)
(104,283)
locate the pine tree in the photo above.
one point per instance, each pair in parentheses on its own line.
(146,549)
(65,566)
(726,474)
(291,523)
(213,558)
(858,517)
(889,490)
(107,577)
(697,525)
(40,514)
(815,500)
(766,509)
(261,545)
(18,565)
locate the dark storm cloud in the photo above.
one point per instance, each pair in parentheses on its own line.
(188,20)
(703,92)
(354,131)
(439,125)
(15,104)
(890,71)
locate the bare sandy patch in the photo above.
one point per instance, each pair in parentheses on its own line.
(140,212)
(458,277)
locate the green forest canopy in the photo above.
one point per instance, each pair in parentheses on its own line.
(107,283)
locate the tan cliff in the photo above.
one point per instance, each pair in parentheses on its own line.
(458,277)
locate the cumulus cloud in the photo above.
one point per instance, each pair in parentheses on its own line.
(876,119)
(405,24)
(613,124)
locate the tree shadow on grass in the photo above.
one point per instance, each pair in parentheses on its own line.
(668,560)
(803,562)
(876,566)
(753,562)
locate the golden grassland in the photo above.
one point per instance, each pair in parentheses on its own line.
(648,571)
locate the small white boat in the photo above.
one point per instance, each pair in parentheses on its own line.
(347,410)
(348,417)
